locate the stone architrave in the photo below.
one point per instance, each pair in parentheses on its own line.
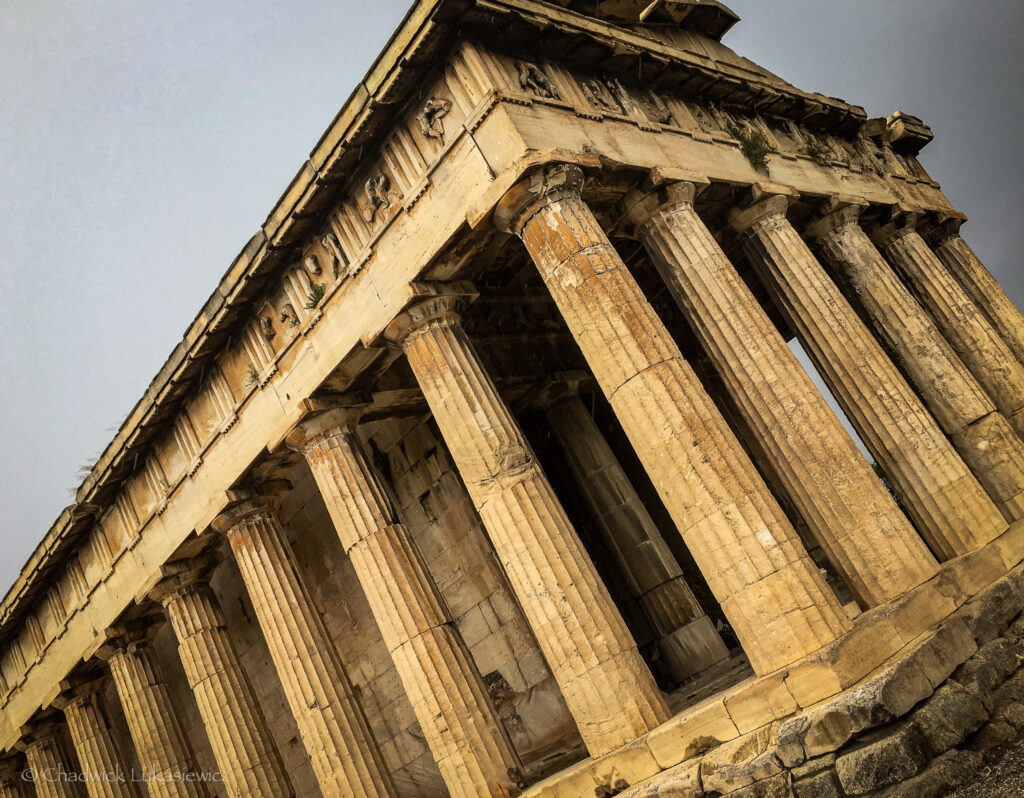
(250,765)
(939,491)
(51,768)
(981,434)
(687,638)
(161,746)
(605,683)
(12,779)
(458,720)
(968,270)
(872,545)
(747,550)
(961,321)
(344,756)
(108,774)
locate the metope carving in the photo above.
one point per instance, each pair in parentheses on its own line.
(655,107)
(532,78)
(431,117)
(377,196)
(267,328)
(333,249)
(597,94)
(312,264)
(289,316)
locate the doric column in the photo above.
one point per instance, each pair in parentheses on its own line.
(688,640)
(235,726)
(962,323)
(459,722)
(866,537)
(341,748)
(51,768)
(604,681)
(981,434)
(107,772)
(160,744)
(12,779)
(958,257)
(938,490)
(773,595)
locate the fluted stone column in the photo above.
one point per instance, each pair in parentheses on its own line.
(968,270)
(341,748)
(937,488)
(688,639)
(963,324)
(771,592)
(107,772)
(54,774)
(160,744)
(12,780)
(458,720)
(981,434)
(604,681)
(238,733)
(872,545)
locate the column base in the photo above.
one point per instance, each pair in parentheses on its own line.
(692,648)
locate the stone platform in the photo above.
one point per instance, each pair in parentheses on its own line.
(904,704)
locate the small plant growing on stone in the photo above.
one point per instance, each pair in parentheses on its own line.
(818,150)
(252,377)
(753,145)
(316,295)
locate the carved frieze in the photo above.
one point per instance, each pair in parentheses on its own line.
(431,117)
(535,80)
(376,194)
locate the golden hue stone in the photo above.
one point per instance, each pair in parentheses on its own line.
(344,756)
(606,685)
(458,720)
(869,541)
(747,550)
(108,772)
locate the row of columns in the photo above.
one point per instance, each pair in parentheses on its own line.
(951,448)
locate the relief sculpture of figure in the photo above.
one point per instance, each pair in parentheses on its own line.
(596,94)
(377,195)
(431,118)
(267,327)
(312,264)
(532,77)
(289,315)
(333,250)
(655,107)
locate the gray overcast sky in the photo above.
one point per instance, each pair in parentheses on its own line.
(143,142)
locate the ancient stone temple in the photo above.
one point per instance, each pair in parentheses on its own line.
(488,468)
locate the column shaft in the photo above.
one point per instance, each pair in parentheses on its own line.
(458,720)
(866,537)
(342,751)
(54,774)
(107,772)
(238,733)
(981,434)
(963,324)
(937,488)
(958,257)
(773,595)
(161,746)
(688,639)
(606,685)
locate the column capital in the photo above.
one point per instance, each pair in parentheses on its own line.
(40,730)
(183,574)
(902,221)
(838,213)
(438,303)
(559,387)
(768,199)
(78,689)
(317,425)
(663,189)
(941,227)
(536,190)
